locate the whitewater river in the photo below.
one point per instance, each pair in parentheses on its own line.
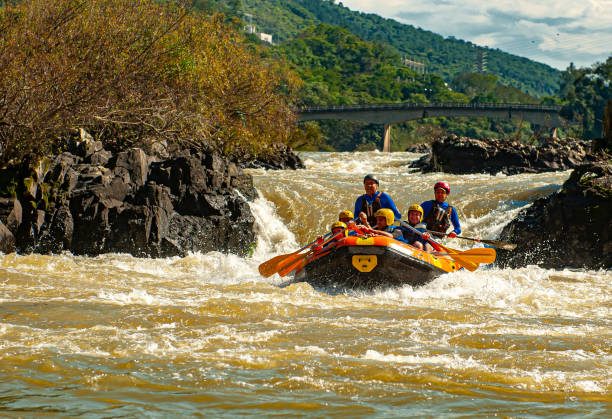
(205,335)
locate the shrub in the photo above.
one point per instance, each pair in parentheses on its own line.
(133,71)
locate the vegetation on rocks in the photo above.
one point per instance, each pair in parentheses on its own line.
(133,72)
(586,92)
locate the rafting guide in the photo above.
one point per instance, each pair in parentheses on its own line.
(367,204)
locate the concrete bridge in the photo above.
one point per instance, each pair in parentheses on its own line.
(395,113)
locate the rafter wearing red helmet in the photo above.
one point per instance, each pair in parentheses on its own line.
(439,214)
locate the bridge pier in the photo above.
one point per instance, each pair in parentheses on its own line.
(387,139)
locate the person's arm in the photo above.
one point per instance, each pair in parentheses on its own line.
(364,220)
(358,205)
(382,233)
(455,221)
(387,202)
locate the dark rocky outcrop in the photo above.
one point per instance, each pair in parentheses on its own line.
(279,157)
(88,201)
(571,228)
(460,155)
(419,148)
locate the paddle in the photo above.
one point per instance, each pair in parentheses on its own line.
(469,262)
(298,266)
(494,243)
(296,263)
(272,266)
(477,255)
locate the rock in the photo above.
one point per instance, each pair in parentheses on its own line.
(571,228)
(279,157)
(95,203)
(424,164)
(84,145)
(419,148)
(460,155)
(135,163)
(7,240)
(10,213)
(58,236)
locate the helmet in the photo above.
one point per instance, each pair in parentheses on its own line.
(387,213)
(338,224)
(370,177)
(346,214)
(443,185)
(416,207)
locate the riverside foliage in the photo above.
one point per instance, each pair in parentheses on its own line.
(133,71)
(586,92)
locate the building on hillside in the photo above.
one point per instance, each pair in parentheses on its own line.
(252,29)
(266,37)
(414,65)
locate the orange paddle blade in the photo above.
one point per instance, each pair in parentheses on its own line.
(272,266)
(288,268)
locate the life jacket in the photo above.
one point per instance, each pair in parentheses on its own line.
(438,219)
(370,210)
(411,236)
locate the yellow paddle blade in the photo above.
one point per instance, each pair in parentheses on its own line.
(457,257)
(465,262)
(479,255)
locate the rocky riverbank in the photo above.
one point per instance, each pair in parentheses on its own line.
(571,228)
(88,201)
(281,157)
(461,155)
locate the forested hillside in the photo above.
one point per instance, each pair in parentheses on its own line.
(346,57)
(448,57)
(337,67)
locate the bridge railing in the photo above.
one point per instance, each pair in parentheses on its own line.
(448,105)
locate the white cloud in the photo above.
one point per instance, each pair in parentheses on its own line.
(553,32)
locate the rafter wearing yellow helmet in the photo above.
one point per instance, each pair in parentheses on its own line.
(415,217)
(346,216)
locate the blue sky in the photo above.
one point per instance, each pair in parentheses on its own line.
(552,32)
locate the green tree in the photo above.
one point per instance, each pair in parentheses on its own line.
(586,92)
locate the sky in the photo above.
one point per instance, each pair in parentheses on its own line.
(551,32)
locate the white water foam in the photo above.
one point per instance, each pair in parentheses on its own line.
(273,236)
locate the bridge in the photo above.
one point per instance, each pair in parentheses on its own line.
(395,113)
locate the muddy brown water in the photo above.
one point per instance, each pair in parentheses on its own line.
(205,335)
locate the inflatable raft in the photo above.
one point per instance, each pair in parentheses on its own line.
(372,262)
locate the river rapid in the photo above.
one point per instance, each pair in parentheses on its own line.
(206,335)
